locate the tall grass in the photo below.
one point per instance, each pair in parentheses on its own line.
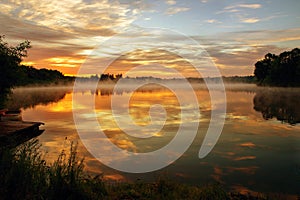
(24,174)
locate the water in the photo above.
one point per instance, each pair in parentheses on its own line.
(258,150)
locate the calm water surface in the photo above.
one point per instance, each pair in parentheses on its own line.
(258,151)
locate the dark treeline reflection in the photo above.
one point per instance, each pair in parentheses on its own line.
(147,88)
(23,98)
(30,97)
(280,104)
(108,92)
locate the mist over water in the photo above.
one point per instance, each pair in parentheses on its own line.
(257,151)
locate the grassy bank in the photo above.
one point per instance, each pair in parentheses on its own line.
(24,174)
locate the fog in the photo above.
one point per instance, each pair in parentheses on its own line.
(272,102)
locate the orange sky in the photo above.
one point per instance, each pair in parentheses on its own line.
(234,34)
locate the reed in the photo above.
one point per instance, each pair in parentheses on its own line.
(24,174)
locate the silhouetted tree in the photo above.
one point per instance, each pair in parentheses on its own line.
(10,59)
(119,76)
(282,70)
(31,76)
(105,77)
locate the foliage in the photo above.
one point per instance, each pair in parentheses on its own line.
(31,76)
(239,79)
(279,70)
(10,59)
(24,174)
(101,78)
(13,73)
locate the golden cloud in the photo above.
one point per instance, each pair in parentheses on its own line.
(152,60)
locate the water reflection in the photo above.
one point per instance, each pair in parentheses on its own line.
(252,154)
(23,98)
(282,104)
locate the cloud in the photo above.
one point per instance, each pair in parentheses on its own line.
(236,8)
(62,30)
(235,53)
(77,17)
(170,2)
(266,37)
(150,60)
(175,10)
(149,48)
(251,6)
(250,20)
(212,21)
(238,11)
(239,59)
(25,30)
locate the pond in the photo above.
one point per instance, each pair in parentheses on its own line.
(258,150)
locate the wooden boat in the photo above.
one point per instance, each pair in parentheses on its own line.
(8,115)
(13,133)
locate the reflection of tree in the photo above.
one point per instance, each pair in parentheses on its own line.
(28,98)
(3,98)
(146,88)
(280,104)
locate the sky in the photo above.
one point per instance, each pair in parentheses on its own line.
(68,35)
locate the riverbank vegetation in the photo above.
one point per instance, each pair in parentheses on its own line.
(24,174)
(279,70)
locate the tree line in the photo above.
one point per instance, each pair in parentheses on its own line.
(28,75)
(279,70)
(13,73)
(273,70)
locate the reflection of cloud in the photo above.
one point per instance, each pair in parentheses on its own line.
(243,190)
(114,177)
(218,173)
(63,106)
(245,158)
(247,144)
(246,170)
